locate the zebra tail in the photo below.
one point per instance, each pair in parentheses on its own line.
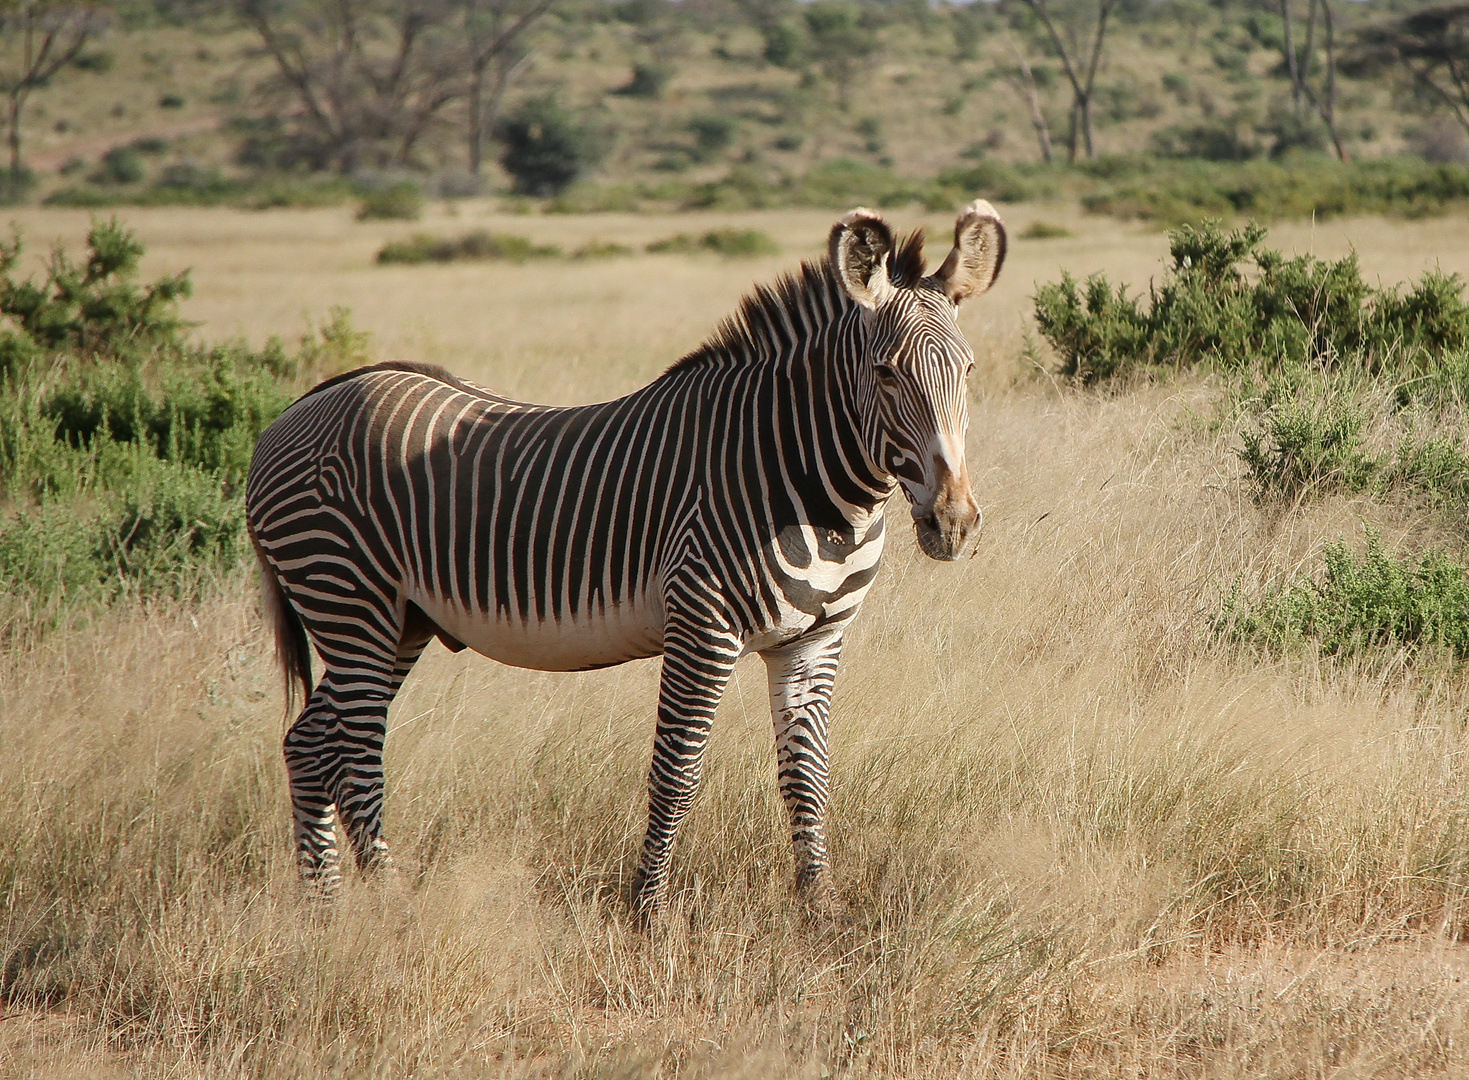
(292,649)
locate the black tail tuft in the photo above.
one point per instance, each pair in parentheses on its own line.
(292,648)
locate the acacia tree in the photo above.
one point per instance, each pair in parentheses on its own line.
(1430,46)
(369,77)
(40,38)
(1301,64)
(1023,80)
(841,40)
(494,32)
(1077,32)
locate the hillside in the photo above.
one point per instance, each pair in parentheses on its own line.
(682,104)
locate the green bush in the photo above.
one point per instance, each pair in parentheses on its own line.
(93,308)
(546,149)
(648,81)
(422,248)
(120,165)
(1189,191)
(123,444)
(1285,311)
(1044,230)
(713,133)
(1308,446)
(187,185)
(1216,140)
(1374,601)
(395,202)
(732,243)
(601,249)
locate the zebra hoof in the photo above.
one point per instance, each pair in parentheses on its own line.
(819,897)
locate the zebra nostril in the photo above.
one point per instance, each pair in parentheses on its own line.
(931,520)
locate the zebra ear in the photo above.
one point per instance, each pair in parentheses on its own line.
(979,252)
(860,245)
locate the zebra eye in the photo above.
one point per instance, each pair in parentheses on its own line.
(884,372)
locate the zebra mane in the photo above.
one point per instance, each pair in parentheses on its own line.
(811,296)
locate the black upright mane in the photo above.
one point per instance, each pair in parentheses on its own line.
(764,313)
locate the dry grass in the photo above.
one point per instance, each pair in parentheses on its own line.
(1075,839)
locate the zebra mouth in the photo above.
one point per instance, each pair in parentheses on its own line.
(943,541)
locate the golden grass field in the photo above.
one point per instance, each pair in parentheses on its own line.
(1075,838)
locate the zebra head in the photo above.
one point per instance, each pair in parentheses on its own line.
(913,362)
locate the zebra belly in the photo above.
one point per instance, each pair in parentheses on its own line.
(622,633)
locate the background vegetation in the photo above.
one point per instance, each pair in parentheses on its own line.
(1168,110)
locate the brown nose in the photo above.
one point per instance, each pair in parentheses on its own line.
(948,523)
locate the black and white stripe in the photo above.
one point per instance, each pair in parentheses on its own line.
(733,505)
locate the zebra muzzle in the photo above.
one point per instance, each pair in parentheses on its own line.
(945,532)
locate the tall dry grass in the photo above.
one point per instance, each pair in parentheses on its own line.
(1075,837)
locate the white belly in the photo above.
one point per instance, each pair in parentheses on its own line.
(627,632)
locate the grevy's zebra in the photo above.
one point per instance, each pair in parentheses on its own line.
(733,505)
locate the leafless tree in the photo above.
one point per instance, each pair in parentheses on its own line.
(1077,33)
(1317,90)
(368,77)
(40,39)
(1023,79)
(1430,46)
(494,33)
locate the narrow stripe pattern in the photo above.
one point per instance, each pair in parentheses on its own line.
(733,505)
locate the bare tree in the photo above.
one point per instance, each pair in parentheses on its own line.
(1078,41)
(40,39)
(369,77)
(494,32)
(1430,46)
(1023,79)
(1300,66)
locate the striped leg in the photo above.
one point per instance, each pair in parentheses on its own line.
(334,757)
(801,677)
(697,661)
(312,809)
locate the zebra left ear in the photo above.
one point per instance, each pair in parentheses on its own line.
(860,245)
(979,252)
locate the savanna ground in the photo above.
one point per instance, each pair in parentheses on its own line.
(1076,835)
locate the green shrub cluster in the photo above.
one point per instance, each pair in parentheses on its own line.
(393,202)
(1186,191)
(124,444)
(508,247)
(1226,300)
(1375,601)
(1308,445)
(422,248)
(195,187)
(1340,387)
(732,243)
(1313,432)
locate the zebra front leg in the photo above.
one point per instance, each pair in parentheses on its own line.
(801,677)
(696,666)
(358,778)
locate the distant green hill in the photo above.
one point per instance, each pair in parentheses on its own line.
(758,102)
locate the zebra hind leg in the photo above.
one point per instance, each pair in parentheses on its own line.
(334,757)
(313,809)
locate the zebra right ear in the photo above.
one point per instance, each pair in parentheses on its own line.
(860,245)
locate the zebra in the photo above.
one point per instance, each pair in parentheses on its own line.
(733,505)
